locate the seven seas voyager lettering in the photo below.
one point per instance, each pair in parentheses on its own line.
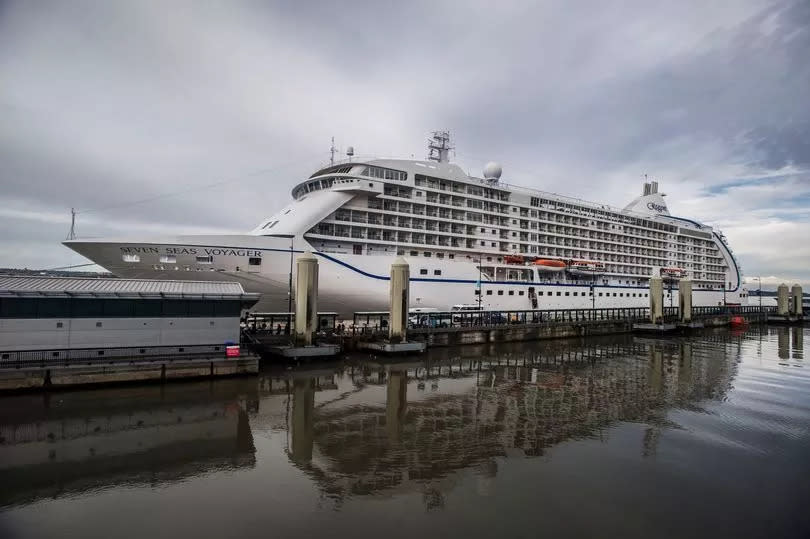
(192,251)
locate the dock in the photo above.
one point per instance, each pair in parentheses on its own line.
(58,369)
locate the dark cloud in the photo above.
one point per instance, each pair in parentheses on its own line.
(105,104)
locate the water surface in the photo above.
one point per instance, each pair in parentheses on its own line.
(707,436)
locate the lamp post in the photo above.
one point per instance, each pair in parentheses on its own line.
(759,279)
(479,282)
(289,291)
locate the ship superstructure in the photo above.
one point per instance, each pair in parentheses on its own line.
(468,240)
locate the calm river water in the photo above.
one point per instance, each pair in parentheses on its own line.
(707,436)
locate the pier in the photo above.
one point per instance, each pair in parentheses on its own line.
(478,327)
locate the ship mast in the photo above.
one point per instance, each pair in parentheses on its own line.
(439,147)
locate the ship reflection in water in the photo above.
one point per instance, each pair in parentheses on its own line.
(702,436)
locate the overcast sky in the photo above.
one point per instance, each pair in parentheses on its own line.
(109,106)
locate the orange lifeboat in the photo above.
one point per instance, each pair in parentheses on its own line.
(549,265)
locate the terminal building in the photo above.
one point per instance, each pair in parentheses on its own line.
(64,313)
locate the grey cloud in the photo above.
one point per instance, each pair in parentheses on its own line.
(107,103)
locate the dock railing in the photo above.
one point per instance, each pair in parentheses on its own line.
(452,319)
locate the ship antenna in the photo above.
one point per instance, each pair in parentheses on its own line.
(439,146)
(72,234)
(332,151)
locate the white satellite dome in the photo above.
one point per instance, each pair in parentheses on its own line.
(492,171)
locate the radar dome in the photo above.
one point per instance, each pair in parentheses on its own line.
(492,171)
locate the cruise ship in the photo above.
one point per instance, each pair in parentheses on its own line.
(468,240)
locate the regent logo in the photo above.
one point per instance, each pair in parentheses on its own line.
(656,207)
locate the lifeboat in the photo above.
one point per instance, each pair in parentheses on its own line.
(549,265)
(586,267)
(513,259)
(673,273)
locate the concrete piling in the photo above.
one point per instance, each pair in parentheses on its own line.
(782,300)
(685,300)
(400,285)
(796,292)
(306,299)
(656,300)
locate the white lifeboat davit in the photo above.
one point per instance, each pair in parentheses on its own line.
(586,267)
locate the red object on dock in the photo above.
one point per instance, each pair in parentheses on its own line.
(232,350)
(738,321)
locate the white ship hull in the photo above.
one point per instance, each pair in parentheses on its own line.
(456,231)
(351,283)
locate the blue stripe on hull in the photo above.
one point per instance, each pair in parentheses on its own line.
(432,280)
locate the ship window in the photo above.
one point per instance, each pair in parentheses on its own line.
(168,259)
(600,294)
(500,292)
(614,294)
(437,272)
(559,293)
(520,293)
(427,254)
(205,259)
(540,293)
(493,244)
(511,292)
(575,293)
(566,293)
(451,256)
(439,255)
(126,257)
(621,294)
(423,271)
(414,253)
(254,261)
(489,292)
(477,293)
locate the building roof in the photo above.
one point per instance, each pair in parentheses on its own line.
(30,286)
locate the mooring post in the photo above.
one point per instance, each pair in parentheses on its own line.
(685,300)
(306,299)
(796,292)
(400,285)
(656,300)
(782,300)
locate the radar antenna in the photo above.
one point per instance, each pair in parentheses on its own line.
(332,151)
(439,147)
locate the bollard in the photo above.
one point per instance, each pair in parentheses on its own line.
(685,300)
(782,300)
(656,300)
(306,299)
(796,292)
(400,284)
